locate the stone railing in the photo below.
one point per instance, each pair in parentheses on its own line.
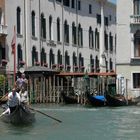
(135,19)
(3,29)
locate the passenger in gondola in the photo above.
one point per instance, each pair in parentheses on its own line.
(21,82)
(24,96)
(13,100)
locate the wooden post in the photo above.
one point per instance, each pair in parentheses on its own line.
(54,91)
(47,90)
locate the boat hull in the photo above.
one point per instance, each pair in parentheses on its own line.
(97,101)
(114,101)
(22,115)
(69,99)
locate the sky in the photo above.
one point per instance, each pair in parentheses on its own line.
(114,1)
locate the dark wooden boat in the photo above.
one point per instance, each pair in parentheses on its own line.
(69,99)
(22,115)
(116,100)
(96,100)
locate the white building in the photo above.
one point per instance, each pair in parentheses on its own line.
(128,44)
(72,35)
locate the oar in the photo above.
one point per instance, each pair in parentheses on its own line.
(1,99)
(45,114)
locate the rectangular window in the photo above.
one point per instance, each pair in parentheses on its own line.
(79,5)
(90,9)
(136,7)
(72,3)
(137,48)
(98,19)
(66,2)
(110,17)
(59,0)
(136,80)
(106,21)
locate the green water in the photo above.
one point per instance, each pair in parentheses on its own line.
(78,123)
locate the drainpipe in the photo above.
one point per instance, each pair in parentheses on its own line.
(63,57)
(26,30)
(40,44)
(102,44)
(77,32)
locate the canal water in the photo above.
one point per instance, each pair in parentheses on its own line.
(78,123)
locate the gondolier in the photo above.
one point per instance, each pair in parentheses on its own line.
(13,100)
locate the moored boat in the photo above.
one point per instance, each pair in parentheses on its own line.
(21,115)
(69,99)
(96,100)
(116,100)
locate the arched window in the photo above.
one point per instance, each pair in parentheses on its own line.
(97,44)
(50,28)
(111,42)
(97,63)
(43,57)
(106,65)
(33,23)
(137,44)
(19,54)
(0,16)
(80,60)
(74,59)
(80,36)
(91,63)
(18,20)
(58,29)
(52,59)
(91,39)
(111,65)
(34,55)
(43,26)
(106,40)
(2,51)
(67,60)
(59,57)
(66,32)
(73,33)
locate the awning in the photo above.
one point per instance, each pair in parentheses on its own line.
(40,70)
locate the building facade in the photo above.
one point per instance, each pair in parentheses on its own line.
(76,33)
(65,35)
(128,45)
(3,35)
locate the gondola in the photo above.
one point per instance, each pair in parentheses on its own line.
(21,115)
(116,100)
(69,99)
(96,100)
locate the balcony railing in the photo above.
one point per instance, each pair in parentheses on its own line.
(3,29)
(135,19)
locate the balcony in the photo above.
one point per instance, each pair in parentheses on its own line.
(135,19)
(3,29)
